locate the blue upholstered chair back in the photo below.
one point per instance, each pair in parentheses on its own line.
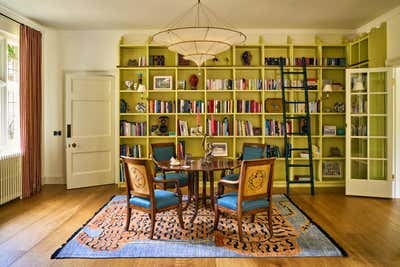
(165,152)
(253,152)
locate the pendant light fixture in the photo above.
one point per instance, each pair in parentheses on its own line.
(198,35)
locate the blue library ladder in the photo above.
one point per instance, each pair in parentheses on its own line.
(301,132)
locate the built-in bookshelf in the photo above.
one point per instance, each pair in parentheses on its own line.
(229,101)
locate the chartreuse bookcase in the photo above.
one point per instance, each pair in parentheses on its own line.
(223,79)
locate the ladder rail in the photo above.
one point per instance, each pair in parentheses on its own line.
(307,118)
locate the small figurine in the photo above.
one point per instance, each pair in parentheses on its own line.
(128,84)
(246,58)
(193,80)
(140,107)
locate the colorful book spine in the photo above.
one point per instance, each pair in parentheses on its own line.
(276,128)
(248,106)
(248,84)
(134,151)
(161,106)
(133,128)
(219,106)
(218,128)
(191,106)
(219,84)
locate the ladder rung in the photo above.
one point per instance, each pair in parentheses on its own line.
(295,102)
(300,182)
(296,117)
(298,165)
(299,134)
(293,72)
(299,148)
(294,87)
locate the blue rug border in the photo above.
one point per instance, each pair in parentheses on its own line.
(54,255)
(344,253)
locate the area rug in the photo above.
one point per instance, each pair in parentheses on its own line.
(104,236)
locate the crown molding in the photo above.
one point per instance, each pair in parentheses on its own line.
(18,17)
(376,23)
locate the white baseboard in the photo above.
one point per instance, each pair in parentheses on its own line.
(53,180)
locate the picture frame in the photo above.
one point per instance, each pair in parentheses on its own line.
(162,83)
(332,169)
(220,149)
(273,105)
(329,130)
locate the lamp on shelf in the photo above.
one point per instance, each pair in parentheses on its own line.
(198,35)
(358,85)
(327,89)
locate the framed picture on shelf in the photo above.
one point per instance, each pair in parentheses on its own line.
(162,83)
(332,169)
(273,105)
(329,130)
(220,149)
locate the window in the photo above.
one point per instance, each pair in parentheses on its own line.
(9,95)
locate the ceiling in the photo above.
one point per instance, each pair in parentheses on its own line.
(155,14)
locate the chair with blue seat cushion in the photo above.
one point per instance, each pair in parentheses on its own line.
(163,152)
(254,194)
(249,151)
(142,196)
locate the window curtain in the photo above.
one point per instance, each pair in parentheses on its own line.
(30,108)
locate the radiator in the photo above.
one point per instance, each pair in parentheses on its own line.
(10,177)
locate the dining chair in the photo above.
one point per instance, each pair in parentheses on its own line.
(249,151)
(253,196)
(142,196)
(162,152)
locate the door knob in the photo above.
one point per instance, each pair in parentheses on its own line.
(73,145)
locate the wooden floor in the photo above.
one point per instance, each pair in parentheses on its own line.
(31,230)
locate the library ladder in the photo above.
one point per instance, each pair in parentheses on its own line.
(306,131)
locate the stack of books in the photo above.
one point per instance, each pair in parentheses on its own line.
(134,151)
(310,61)
(133,128)
(274,61)
(248,106)
(191,106)
(276,128)
(314,107)
(220,106)
(219,84)
(248,84)
(275,84)
(334,61)
(245,128)
(218,128)
(161,106)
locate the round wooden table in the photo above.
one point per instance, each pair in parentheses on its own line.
(194,168)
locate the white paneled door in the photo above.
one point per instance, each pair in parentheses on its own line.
(89,129)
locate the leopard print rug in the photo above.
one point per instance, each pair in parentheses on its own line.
(256,237)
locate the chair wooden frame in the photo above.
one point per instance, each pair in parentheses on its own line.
(165,181)
(242,179)
(152,211)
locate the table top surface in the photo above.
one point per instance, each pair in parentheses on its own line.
(196,165)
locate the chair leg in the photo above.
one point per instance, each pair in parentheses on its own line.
(240,228)
(216,218)
(153,222)
(270,222)
(179,210)
(128,217)
(253,217)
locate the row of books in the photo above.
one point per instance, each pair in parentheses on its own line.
(191,106)
(272,151)
(310,61)
(359,105)
(248,106)
(157,60)
(257,84)
(220,106)
(245,128)
(219,84)
(313,106)
(276,128)
(181,149)
(248,84)
(183,129)
(134,151)
(161,106)
(334,61)
(128,128)
(359,130)
(142,61)
(218,128)
(274,61)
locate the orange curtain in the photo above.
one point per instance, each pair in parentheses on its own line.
(30,108)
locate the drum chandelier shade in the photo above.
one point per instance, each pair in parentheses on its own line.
(201,40)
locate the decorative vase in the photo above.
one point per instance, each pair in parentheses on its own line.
(193,80)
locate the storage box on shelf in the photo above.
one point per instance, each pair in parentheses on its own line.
(227,98)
